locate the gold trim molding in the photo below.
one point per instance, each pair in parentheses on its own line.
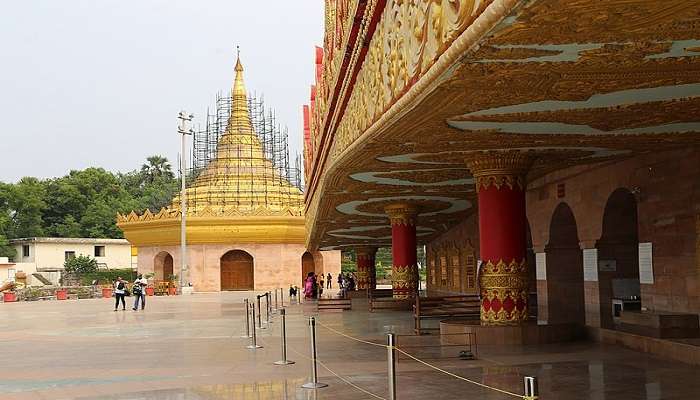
(402,214)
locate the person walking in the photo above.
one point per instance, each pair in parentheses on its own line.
(329,281)
(119,293)
(139,291)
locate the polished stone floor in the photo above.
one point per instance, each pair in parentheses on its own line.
(191,348)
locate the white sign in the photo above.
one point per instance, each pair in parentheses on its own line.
(590,265)
(541,266)
(646,268)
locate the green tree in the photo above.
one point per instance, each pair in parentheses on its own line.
(80,265)
(156,167)
(26,207)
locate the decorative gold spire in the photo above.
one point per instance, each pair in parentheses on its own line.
(241,176)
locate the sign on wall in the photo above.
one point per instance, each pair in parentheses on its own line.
(646,268)
(590,265)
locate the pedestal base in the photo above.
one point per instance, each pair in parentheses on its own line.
(529,333)
(312,385)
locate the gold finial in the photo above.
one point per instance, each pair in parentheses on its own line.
(239,66)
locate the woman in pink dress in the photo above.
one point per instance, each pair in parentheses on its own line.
(309,286)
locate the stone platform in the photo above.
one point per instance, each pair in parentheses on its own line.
(660,325)
(530,333)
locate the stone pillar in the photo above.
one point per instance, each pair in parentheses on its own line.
(404,271)
(366,271)
(503,280)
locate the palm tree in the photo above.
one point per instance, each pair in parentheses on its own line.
(155,168)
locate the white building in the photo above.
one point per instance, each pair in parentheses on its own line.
(46,256)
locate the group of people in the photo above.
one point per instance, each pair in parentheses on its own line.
(314,284)
(138,289)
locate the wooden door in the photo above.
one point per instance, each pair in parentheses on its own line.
(237,271)
(307,265)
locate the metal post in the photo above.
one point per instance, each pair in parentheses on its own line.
(183,130)
(531,391)
(254,339)
(314,384)
(259,314)
(276,304)
(391,358)
(247,319)
(267,308)
(282,297)
(283,333)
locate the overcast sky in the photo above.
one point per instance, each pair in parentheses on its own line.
(100,82)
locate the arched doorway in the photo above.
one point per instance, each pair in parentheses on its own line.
(237,272)
(618,256)
(163,266)
(307,265)
(565,292)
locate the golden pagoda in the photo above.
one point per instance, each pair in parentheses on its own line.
(245,220)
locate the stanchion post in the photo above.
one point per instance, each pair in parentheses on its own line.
(247,319)
(391,358)
(254,339)
(531,390)
(268,308)
(282,297)
(314,384)
(283,334)
(276,304)
(260,325)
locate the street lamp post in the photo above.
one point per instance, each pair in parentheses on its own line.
(183,129)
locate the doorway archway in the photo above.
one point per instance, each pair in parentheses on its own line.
(565,290)
(163,266)
(618,253)
(307,265)
(237,271)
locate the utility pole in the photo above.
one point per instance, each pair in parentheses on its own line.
(183,129)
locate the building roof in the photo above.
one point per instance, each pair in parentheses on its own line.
(69,240)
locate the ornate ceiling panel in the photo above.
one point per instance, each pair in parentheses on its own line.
(571,81)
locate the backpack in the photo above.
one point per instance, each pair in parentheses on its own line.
(136,288)
(120,286)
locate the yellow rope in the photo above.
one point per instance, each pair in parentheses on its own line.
(350,337)
(322,364)
(458,376)
(422,362)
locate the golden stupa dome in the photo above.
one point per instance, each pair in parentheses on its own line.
(239,196)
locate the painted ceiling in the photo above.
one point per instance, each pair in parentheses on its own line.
(572,81)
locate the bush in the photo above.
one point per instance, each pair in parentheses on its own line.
(108,276)
(80,265)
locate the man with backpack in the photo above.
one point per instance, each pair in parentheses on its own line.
(139,290)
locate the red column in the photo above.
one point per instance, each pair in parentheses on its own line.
(503,282)
(366,271)
(404,270)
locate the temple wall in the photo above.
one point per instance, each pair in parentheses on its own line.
(666,189)
(275,265)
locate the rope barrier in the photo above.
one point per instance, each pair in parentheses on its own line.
(350,337)
(458,376)
(427,364)
(346,381)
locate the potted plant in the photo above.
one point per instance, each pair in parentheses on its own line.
(9,296)
(106,291)
(62,294)
(150,290)
(172,286)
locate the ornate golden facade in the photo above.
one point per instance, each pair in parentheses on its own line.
(239,197)
(410,89)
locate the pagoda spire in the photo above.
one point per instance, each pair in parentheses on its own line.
(240,114)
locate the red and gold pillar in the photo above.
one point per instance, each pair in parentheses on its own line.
(404,271)
(503,281)
(366,271)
